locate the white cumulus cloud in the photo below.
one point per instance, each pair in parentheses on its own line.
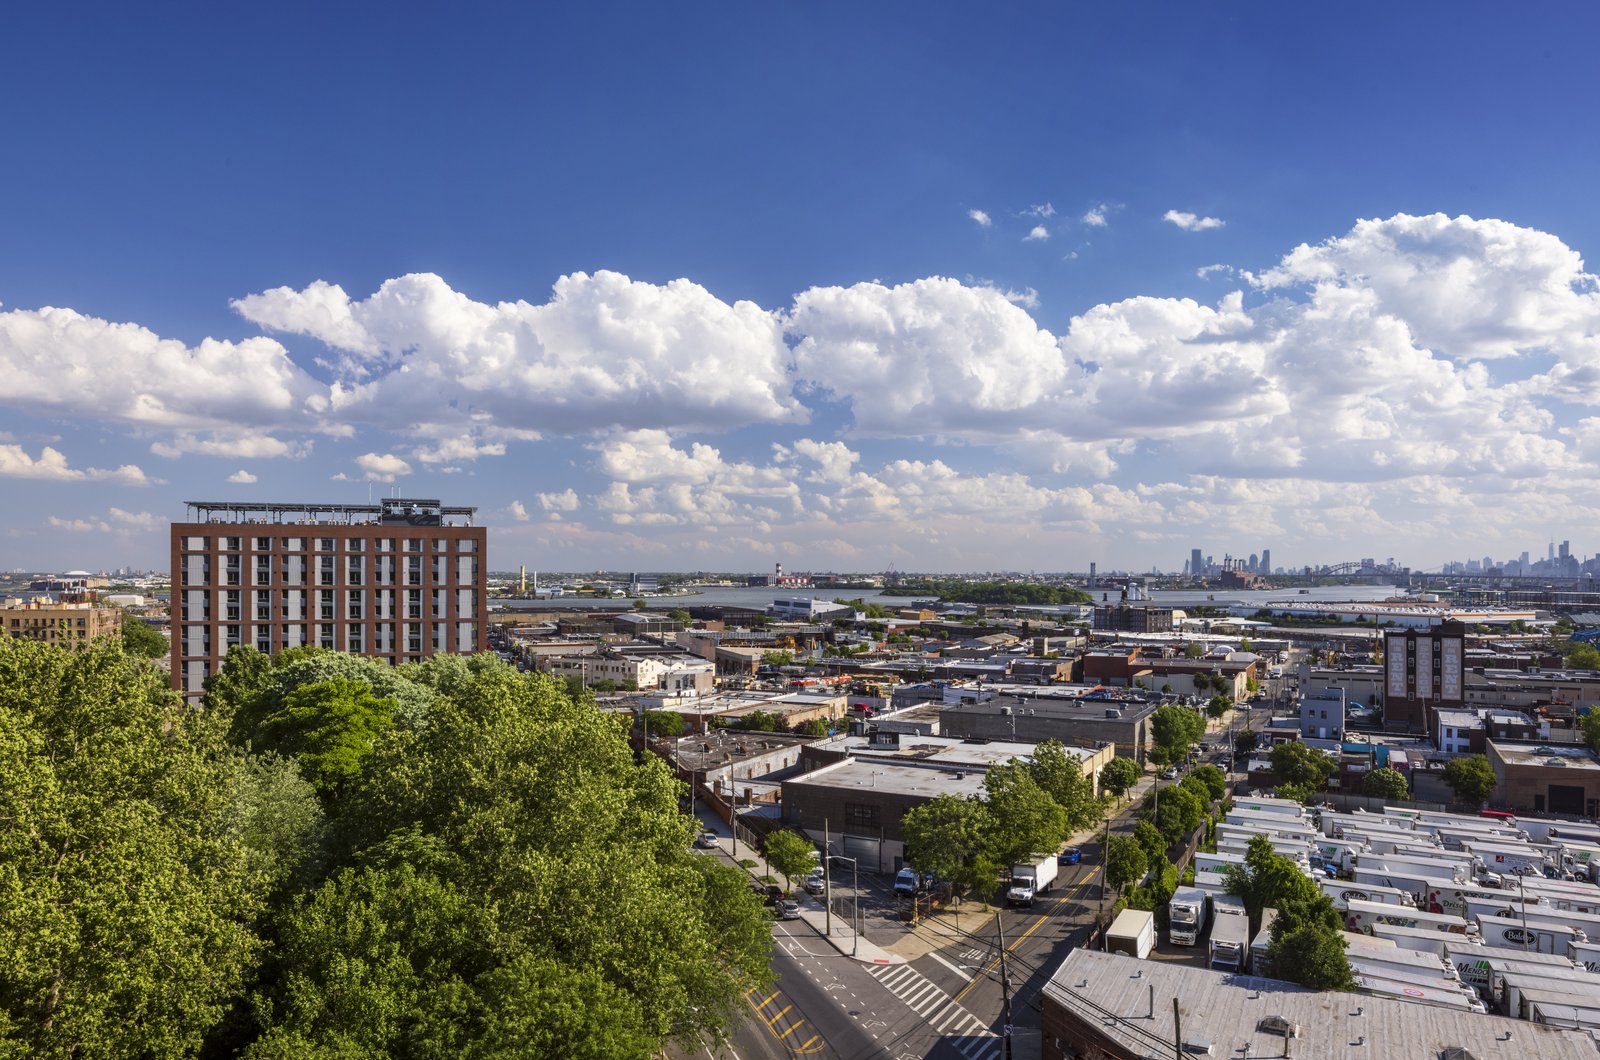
(1036,234)
(1095,216)
(385,467)
(51,464)
(604,351)
(1190,222)
(983,220)
(242,477)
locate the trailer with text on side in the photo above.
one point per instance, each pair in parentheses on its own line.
(1452,898)
(1507,860)
(1586,926)
(1539,938)
(1341,891)
(1362,916)
(1230,933)
(1476,964)
(1186,915)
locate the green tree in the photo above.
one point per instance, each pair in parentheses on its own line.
(1027,821)
(1267,879)
(790,853)
(1151,841)
(1197,787)
(1294,762)
(574,858)
(761,721)
(128,897)
(1215,780)
(814,727)
(777,658)
(639,605)
(1590,724)
(330,727)
(1176,811)
(1061,776)
(1218,706)
(142,639)
(1245,742)
(1386,783)
(664,724)
(1193,650)
(680,616)
(1175,729)
(1471,778)
(1125,862)
(950,837)
(1307,945)
(1120,774)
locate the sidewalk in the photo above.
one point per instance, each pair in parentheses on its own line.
(842,937)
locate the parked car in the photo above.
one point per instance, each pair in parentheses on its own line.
(707,841)
(789,909)
(815,884)
(1170,774)
(1070,856)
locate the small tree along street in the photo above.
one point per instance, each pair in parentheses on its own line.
(1471,778)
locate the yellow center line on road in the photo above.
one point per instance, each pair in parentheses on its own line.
(806,1046)
(1081,887)
(792,1028)
(779,1016)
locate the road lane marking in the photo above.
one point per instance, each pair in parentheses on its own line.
(948,965)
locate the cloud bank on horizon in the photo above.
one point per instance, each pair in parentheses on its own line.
(1399,379)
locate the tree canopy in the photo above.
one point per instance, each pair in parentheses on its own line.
(1061,776)
(1296,763)
(1027,821)
(1471,778)
(1120,774)
(1126,861)
(950,837)
(141,639)
(502,875)
(1386,783)
(1174,730)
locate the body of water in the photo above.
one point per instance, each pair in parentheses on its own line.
(759,598)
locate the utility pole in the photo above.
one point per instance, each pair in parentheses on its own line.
(1005,988)
(1105,880)
(827,880)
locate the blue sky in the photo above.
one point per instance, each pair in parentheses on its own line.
(660,287)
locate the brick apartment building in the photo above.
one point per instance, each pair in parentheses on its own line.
(400,581)
(65,622)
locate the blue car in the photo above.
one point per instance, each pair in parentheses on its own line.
(1070,856)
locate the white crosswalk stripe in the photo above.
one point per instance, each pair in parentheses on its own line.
(970,1036)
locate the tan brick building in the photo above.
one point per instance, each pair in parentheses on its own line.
(66,623)
(399,581)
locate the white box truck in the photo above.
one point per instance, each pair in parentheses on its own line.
(1230,933)
(1186,915)
(1133,933)
(1031,879)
